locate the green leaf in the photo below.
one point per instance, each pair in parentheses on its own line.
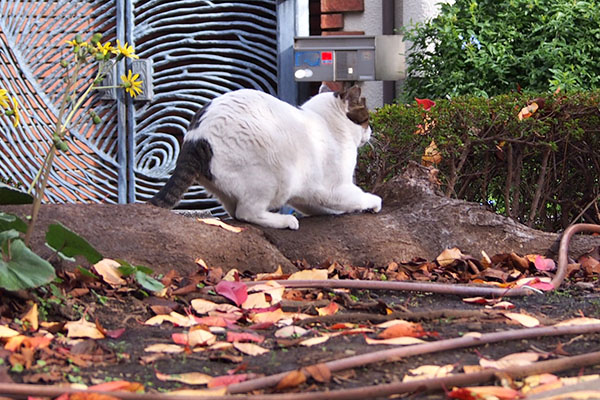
(148,282)
(11,195)
(70,244)
(87,272)
(126,269)
(24,269)
(10,221)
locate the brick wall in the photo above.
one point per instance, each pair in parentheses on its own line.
(332,16)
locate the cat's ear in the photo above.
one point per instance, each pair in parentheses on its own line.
(352,95)
(324,89)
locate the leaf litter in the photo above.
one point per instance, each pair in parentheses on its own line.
(218,323)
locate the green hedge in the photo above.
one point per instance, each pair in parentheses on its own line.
(490,47)
(543,170)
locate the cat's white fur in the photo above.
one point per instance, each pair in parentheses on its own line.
(267,153)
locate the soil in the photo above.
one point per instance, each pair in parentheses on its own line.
(415,223)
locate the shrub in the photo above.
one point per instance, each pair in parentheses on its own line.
(531,157)
(490,47)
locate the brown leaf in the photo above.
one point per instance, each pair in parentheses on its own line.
(401,329)
(319,372)
(293,379)
(221,224)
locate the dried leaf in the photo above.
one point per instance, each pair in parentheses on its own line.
(83,329)
(432,155)
(484,392)
(250,348)
(174,318)
(244,337)
(544,264)
(200,337)
(268,316)
(221,224)
(411,329)
(330,309)
(428,372)
(319,372)
(109,271)
(523,319)
(290,331)
(527,111)
(511,360)
(189,378)
(164,348)
(309,274)
(397,341)
(579,321)
(6,332)
(32,317)
(314,341)
(226,380)
(448,256)
(293,379)
(234,291)
(200,392)
(256,300)
(117,386)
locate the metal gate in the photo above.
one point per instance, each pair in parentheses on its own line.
(190,52)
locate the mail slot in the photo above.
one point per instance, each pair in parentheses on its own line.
(348,58)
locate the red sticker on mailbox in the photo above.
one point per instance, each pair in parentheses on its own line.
(327,57)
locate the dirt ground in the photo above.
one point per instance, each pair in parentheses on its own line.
(164,241)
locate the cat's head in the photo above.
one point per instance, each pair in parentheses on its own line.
(357,111)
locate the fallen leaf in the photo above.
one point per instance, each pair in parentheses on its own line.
(200,337)
(309,274)
(256,300)
(428,372)
(397,341)
(484,392)
(109,271)
(319,372)
(244,337)
(523,319)
(164,348)
(432,155)
(6,332)
(268,316)
(290,331)
(250,348)
(174,318)
(292,379)
(448,256)
(411,329)
(200,392)
(234,291)
(330,309)
(527,111)
(504,305)
(226,380)
(314,341)
(83,329)
(511,360)
(189,378)
(579,321)
(544,264)
(32,317)
(221,224)
(116,386)
(479,300)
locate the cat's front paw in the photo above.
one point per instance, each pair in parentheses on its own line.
(372,203)
(292,222)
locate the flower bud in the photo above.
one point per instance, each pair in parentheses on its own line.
(96,37)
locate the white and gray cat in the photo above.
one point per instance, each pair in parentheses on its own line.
(257,153)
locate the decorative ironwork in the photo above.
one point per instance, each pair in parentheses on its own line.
(199,49)
(30,35)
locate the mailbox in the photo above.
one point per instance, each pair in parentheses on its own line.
(348,58)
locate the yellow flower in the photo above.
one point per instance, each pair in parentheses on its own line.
(131,84)
(104,48)
(15,112)
(74,43)
(125,50)
(3,98)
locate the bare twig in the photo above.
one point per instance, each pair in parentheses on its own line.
(541,184)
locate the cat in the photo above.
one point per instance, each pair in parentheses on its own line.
(257,153)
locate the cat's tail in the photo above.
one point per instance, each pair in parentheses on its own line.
(193,162)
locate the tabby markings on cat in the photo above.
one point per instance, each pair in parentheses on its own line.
(257,153)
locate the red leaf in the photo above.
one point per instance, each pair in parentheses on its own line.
(544,264)
(226,380)
(180,338)
(244,337)
(425,103)
(116,333)
(234,291)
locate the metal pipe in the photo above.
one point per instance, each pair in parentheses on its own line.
(388,23)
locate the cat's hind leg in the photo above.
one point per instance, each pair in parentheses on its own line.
(258,214)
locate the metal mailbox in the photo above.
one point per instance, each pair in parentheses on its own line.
(348,58)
